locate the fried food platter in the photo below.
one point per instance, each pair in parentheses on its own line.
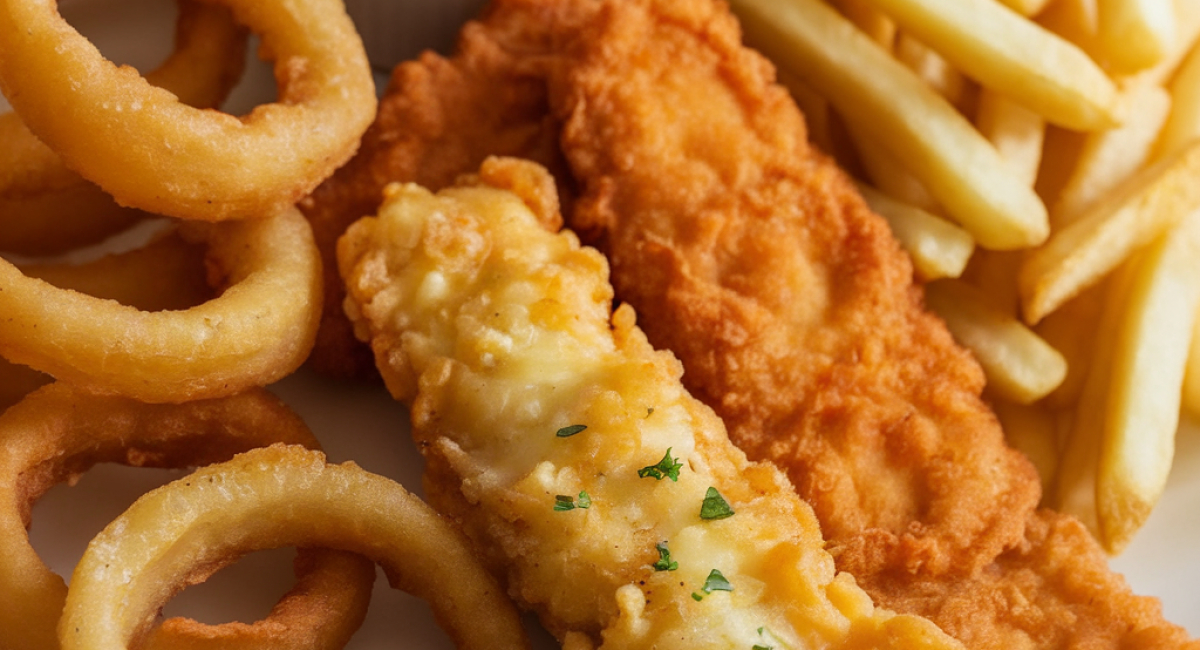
(362,423)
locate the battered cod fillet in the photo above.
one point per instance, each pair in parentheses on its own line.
(539,411)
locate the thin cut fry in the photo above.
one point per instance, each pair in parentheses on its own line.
(1015,56)
(1142,408)
(1136,34)
(1110,156)
(870,88)
(1017,132)
(1133,215)
(935,71)
(939,249)
(1033,429)
(1183,125)
(889,175)
(871,21)
(1019,365)
(1026,7)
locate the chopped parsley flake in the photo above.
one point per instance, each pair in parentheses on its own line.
(564,502)
(762,647)
(666,468)
(664,563)
(567,432)
(714,582)
(715,506)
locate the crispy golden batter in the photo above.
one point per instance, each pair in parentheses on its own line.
(751,256)
(500,334)
(439,118)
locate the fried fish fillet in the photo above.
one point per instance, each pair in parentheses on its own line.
(611,500)
(749,255)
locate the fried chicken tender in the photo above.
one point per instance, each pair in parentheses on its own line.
(751,257)
(612,501)
(439,118)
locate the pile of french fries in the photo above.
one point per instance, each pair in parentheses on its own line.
(1040,161)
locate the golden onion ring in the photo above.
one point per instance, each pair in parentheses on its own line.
(151,151)
(166,273)
(46,208)
(270,497)
(58,432)
(258,330)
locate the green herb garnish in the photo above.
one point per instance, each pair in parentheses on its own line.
(666,468)
(714,582)
(715,506)
(567,432)
(564,502)
(664,563)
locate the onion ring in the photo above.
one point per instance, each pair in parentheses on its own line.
(58,432)
(257,331)
(153,152)
(279,496)
(166,273)
(46,207)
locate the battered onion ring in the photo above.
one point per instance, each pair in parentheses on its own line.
(279,496)
(45,207)
(166,273)
(58,432)
(150,151)
(257,331)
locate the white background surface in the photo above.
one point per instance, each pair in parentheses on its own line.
(363,424)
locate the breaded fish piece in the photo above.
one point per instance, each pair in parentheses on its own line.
(611,501)
(752,257)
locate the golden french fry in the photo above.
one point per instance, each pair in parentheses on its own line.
(1191,377)
(825,128)
(871,21)
(887,174)
(1183,124)
(935,71)
(1142,409)
(939,249)
(872,90)
(1079,459)
(1017,132)
(1004,51)
(1131,216)
(1110,156)
(1072,330)
(1059,153)
(1019,365)
(1026,7)
(1033,430)
(1074,21)
(1136,34)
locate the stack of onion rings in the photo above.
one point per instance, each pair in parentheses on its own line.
(271,497)
(257,331)
(151,151)
(46,208)
(58,432)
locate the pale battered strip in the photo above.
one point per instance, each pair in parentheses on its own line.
(611,500)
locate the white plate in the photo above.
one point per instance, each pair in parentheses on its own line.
(363,424)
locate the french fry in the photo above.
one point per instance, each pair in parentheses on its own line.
(870,89)
(935,71)
(1059,153)
(994,273)
(1142,409)
(1079,460)
(1183,125)
(1017,132)
(1033,430)
(886,173)
(1075,21)
(1004,51)
(825,128)
(1191,377)
(1110,156)
(1133,215)
(1136,34)
(1072,330)
(870,21)
(939,249)
(1026,7)
(1019,365)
